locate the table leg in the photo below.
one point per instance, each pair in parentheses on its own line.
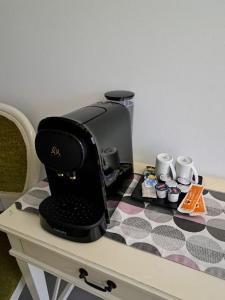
(56,289)
(66,292)
(35,280)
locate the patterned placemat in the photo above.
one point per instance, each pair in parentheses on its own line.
(32,199)
(196,242)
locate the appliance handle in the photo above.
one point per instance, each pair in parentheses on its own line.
(110,284)
(195,173)
(173,171)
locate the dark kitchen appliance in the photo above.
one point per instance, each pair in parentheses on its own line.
(87,154)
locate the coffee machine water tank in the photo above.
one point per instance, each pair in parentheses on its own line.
(123,97)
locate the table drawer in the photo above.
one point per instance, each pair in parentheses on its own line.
(125,289)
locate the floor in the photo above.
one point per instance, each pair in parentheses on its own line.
(76,294)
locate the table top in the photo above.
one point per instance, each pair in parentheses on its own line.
(106,254)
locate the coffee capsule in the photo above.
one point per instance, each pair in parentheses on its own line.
(161,190)
(183,188)
(173,194)
(183,181)
(164,178)
(171,183)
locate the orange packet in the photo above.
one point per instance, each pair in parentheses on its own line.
(200,208)
(190,200)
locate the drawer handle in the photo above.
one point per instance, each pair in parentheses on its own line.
(110,284)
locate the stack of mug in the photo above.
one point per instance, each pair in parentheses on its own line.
(174,179)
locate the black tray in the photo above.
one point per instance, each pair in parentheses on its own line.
(137,195)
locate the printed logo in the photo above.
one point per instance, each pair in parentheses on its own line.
(55,151)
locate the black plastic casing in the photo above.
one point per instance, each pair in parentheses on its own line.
(73,146)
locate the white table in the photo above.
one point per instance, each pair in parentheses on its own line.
(137,274)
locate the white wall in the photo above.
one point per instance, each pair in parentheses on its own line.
(58,55)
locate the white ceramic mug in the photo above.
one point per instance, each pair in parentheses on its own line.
(164,165)
(185,168)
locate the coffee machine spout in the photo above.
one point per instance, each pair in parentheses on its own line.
(72,175)
(60,174)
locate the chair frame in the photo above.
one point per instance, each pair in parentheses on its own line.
(33,164)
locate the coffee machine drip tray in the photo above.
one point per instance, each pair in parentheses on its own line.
(76,219)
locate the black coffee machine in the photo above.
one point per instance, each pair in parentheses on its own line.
(87,154)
